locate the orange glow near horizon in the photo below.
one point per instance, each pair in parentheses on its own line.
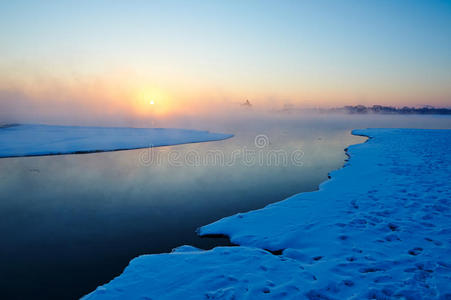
(129,95)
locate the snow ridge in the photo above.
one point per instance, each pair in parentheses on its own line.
(378,229)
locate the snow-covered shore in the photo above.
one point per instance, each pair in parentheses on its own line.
(380,228)
(31,140)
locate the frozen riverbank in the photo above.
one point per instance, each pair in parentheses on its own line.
(378,229)
(32,140)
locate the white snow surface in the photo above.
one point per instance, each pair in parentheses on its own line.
(380,228)
(29,140)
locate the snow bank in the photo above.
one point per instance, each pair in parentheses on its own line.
(221,273)
(379,229)
(27,140)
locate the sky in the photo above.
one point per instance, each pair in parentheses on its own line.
(140,59)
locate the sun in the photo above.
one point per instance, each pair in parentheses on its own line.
(152,101)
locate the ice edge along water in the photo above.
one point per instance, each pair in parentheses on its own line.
(378,229)
(36,140)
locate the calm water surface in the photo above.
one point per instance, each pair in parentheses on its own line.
(70,223)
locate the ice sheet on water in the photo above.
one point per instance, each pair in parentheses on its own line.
(27,140)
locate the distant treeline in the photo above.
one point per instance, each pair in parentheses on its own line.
(380,109)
